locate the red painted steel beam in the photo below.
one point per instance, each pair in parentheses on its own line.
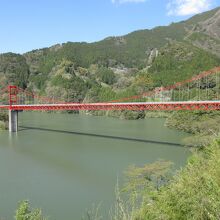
(147,106)
(4,107)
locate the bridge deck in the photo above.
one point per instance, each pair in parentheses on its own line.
(181,105)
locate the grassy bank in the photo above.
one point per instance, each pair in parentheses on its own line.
(202,125)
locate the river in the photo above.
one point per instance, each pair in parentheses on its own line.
(66,163)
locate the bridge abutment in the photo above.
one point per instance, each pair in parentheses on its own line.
(13,121)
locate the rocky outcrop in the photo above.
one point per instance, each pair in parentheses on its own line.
(206,34)
(212,26)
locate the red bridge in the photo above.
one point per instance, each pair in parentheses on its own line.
(198,93)
(132,106)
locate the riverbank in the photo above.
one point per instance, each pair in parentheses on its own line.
(193,193)
(202,125)
(152,192)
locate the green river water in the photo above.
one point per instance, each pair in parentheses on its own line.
(66,163)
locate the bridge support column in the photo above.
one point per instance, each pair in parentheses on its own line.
(13,121)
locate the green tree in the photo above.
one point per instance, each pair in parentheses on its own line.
(143,82)
(106,75)
(24,212)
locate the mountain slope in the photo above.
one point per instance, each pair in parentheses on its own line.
(131,50)
(116,65)
(205,33)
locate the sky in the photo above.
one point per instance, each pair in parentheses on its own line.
(32,24)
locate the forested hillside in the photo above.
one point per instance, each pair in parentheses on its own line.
(118,66)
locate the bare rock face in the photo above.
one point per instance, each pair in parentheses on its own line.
(120,41)
(206,34)
(212,26)
(56,47)
(153,54)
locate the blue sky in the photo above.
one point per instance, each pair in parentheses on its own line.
(33,24)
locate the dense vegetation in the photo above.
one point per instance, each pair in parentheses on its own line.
(179,61)
(13,68)
(24,212)
(203,126)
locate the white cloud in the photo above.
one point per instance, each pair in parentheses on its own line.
(187,7)
(127,1)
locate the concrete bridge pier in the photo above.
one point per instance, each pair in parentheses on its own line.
(13,121)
